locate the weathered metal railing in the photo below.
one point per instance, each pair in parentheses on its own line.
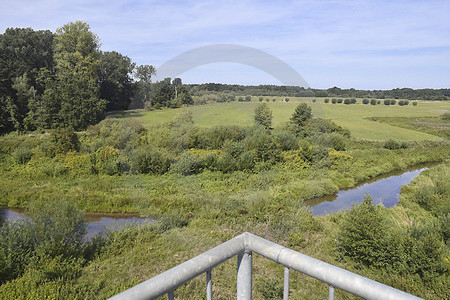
(243,246)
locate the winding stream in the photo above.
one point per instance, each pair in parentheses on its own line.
(383,189)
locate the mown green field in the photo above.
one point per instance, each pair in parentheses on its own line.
(354,117)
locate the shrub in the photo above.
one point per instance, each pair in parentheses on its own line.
(263,115)
(286,100)
(301,114)
(353,101)
(55,230)
(241,99)
(373,102)
(22,155)
(365,101)
(414,103)
(326,100)
(285,140)
(347,101)
(363,237)
(248,98)
(118,133)
(314,100)
(332,140)
(62,141)
(333,101)
(261,99)
(445,116)
(387,102)
(393,102)
(378,102)
(394,145)
(150,160)
(106,160)
(187,164)
(274,99)
(339,100)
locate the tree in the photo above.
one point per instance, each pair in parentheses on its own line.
(144,73)
(263,115)
(116,84)
(301,114)
(23,52)
(74,90)
(176,82)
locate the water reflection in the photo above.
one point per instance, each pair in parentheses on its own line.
(384,190)
(96,224)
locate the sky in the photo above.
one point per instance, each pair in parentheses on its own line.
(350,44)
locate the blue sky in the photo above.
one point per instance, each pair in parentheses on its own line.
(359,44)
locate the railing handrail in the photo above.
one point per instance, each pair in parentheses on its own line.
(336,277)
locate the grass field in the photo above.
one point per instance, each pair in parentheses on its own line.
(354,117)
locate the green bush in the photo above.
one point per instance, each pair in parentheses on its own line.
(22,155)
(285,140)
(387,102)
(414,103)
(347,101)
(188,164)
(150,160)
(394,145)
(330,140)
(62,141)
(333,101)
(339,100)
(326,100)
(363,236)
(55,230)
(365,101)
(373,102)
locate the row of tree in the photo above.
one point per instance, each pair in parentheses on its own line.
(295,91)
(62,79)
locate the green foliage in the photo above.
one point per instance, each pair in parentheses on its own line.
(301,114)
(54,231)
(373,102)
(146,160)
(326,100)
(414,103)
(394,145)
(116,84)
(22,155)
(62,141)
(263,115)
(365,101)
(331,140)
(188,163)
(334,101)
(363,236)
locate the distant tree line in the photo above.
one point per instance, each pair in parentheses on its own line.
(62,79)
(295,91)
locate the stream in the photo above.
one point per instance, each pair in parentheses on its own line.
(383,189)
(96,223)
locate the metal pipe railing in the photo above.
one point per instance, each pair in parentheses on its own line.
(243,246)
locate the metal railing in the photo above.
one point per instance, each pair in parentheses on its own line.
(243,246)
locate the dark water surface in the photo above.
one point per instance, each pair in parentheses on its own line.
(96,223)
(383,189)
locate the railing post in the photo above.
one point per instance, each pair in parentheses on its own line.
(286,284)
(244,276)
(331,293)
(170,295)
(208,285)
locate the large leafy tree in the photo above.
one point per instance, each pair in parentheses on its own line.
(77,58)
(116,84)
(23,52)
(71,90)
(142,96)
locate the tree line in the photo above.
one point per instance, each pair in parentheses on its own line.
(295,91)
(63,79)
